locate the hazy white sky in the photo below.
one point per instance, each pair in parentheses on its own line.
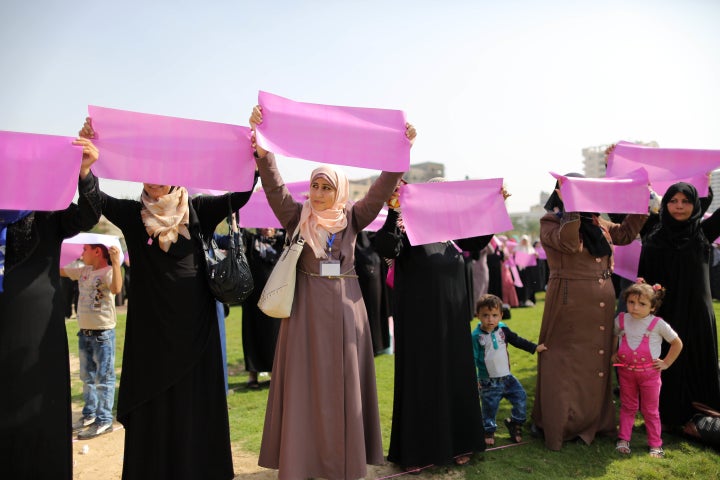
(507,89)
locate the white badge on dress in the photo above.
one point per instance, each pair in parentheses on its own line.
(330,268)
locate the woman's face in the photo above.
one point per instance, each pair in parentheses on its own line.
(322,194)
(156,191)
(679,207)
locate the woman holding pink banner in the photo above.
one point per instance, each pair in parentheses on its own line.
(573,398)
(35,431)
(439,423)
(322,417)
(172,399)
(677,253)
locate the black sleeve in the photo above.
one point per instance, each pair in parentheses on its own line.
(211,210)
(388,240)
(711,226)
(518,342)
(84,215)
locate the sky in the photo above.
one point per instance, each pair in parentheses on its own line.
(510,89)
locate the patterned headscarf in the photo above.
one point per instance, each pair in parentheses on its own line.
(315,227)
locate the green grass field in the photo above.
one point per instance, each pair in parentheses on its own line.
(684,459)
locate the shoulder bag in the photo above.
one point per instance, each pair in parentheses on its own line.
(228,273)
(276,298)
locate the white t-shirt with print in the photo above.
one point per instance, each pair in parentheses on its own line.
(635,329)
(96,304)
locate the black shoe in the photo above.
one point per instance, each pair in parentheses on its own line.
(95,430)
(536,432)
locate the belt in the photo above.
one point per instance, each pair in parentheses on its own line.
(91,333)
(346,274)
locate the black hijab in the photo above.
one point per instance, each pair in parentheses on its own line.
(671,233)
(593,239)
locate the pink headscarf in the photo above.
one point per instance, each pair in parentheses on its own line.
(315,227)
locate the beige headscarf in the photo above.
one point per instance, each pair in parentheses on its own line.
(315,226)
(166,217)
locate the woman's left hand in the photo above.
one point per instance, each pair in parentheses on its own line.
(90,155)
(410,133)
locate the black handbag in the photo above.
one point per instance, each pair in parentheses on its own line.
(228,273)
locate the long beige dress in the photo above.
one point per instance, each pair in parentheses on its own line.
(322,417)
(573,397)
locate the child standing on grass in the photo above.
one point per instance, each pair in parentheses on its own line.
(99,281)
(637,348)
(495,382)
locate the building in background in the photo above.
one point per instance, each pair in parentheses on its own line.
(418,173)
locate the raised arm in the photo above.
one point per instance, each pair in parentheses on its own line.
(84,215)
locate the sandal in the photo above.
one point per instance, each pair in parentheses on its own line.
(657,452)
(623,446)
(515,430)
(253,385)
(490,439)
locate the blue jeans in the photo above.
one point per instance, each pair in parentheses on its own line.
(97,372)
(492,390)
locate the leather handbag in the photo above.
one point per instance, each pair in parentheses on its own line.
(277,297)
(228,273)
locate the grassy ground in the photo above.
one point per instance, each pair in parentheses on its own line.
(684,459)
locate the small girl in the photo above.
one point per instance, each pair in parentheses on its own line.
(637,343)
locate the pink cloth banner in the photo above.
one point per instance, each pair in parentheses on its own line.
(149,148)
(627,260)
(436,212)
(256,213)
(629,194)
(665,166)
(523,259)
(359,137)
(37,172)
(72,248)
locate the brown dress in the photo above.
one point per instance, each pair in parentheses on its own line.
(573,397)
(322,417)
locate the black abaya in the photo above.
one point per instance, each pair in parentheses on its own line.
(260,332)
(436,408)
(35,415)
(681,265)
(172,392)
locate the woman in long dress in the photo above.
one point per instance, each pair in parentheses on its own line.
(35,415)
(436,407)
(676,253)
(172,399)
(573,397)
(322,418)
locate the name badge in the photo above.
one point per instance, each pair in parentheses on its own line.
(330,268)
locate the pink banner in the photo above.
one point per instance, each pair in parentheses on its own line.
(360,137)
(149,148)
(665,166)
(72,248)
(379,221)
(256,213)
(629,194)
(627,259)
(541,253)
(523,259)
(37,172)
(436,212)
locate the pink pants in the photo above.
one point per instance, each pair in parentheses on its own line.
(640,390)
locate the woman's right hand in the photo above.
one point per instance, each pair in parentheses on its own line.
(255,120)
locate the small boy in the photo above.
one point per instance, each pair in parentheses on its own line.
(99,280)
(495,382)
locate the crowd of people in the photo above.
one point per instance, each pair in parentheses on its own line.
(322,418)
